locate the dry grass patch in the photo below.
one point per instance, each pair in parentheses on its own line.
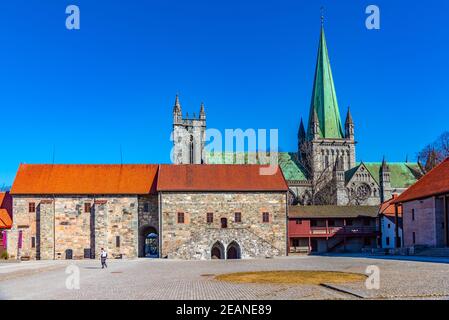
(292,277)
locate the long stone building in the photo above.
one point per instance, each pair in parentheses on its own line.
(185,212)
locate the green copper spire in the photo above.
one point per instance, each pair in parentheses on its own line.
(324,98)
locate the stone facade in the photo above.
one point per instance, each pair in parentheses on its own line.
(195,238)
(76,226)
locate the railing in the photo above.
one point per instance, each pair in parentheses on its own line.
(330,231)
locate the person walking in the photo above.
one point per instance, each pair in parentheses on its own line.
(103,257)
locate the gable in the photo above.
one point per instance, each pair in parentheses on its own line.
(360,173)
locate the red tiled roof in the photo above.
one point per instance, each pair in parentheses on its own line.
(387,208)
(434,183)
(85,179)
(218,177)
(5,210)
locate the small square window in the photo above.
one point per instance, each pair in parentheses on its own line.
(180,217)
(210,217)
(238,217)
(31,207)
(87,207)
(266,217)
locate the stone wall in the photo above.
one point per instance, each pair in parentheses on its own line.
(424,224)
(194,238)
(61,225)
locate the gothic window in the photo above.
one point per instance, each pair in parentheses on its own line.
(191,149)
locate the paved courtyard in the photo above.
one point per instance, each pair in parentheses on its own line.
(170,279)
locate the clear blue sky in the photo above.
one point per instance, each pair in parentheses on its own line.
(113,82)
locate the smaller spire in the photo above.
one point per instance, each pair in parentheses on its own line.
(301,131)
(349,117)
(177,106)
(384,165)
(202,112)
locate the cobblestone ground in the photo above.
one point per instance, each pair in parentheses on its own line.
(170,279)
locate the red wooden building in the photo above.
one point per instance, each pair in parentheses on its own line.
(321,229)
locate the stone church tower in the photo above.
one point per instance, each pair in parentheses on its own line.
(326,142)
(189,136)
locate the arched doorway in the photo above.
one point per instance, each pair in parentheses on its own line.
(217,251)
(233,251)
(148,242)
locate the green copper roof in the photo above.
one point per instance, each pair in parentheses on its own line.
(402,174)
(290,167)
(324,97)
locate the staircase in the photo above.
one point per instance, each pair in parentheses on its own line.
(432,252)
(336,245)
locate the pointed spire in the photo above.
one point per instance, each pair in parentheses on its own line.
(177,105)
(349,117)
(202,112)
(324,97)
(384,165)
(301,131)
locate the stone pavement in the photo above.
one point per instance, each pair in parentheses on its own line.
(175,279)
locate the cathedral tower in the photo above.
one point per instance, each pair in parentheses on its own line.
(189,136)
(326,140)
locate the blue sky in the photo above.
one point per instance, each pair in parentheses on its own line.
(112,83)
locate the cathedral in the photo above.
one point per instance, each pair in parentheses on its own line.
(323,170)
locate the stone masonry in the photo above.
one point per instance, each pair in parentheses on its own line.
(194,238)
(80,225)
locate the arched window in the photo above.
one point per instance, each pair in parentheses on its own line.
(191,150)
